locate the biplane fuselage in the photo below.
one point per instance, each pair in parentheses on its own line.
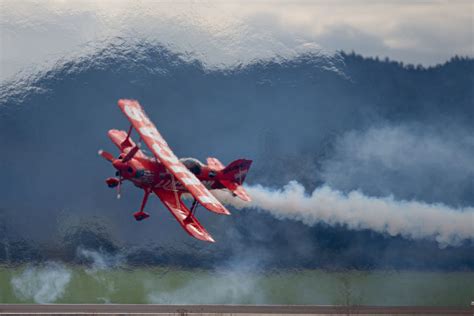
(146,172)
(169,177)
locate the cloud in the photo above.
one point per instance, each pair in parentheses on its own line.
(38,34)
(409,161)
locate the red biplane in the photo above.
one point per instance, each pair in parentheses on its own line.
(169,177)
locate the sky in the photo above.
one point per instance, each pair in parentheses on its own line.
(341,127)
(36,34)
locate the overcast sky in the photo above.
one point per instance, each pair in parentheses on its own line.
(35,34)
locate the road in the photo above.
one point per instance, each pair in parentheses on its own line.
(229,309)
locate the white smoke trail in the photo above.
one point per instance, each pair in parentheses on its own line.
(410,219)
(44,284)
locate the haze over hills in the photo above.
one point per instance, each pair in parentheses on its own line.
(349,122)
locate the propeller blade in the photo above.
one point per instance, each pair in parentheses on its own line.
(131,153)
(119,187)
(106,155)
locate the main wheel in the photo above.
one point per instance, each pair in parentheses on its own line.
(139,216)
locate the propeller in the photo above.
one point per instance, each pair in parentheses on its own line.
(106,155)
(119,186)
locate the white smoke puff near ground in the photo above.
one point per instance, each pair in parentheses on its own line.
(42,284)
(99,260)
(230,288)
(410,219)
(223,287)
(100,263)
(239,281)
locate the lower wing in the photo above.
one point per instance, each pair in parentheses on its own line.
(172,200)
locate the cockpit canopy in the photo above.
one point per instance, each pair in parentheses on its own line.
(193,165)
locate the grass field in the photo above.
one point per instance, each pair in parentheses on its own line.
(59,283)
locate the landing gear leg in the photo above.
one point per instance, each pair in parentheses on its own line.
(141,215)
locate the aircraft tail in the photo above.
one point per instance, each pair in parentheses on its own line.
(234,175)
(236,171)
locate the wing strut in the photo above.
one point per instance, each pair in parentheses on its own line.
(126,142)
(192,211)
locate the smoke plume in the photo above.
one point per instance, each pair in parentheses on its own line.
(409,219)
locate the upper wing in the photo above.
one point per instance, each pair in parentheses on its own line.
(161,150)
(190,224)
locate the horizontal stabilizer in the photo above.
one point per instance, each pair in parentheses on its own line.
(214,164)
(236,189)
